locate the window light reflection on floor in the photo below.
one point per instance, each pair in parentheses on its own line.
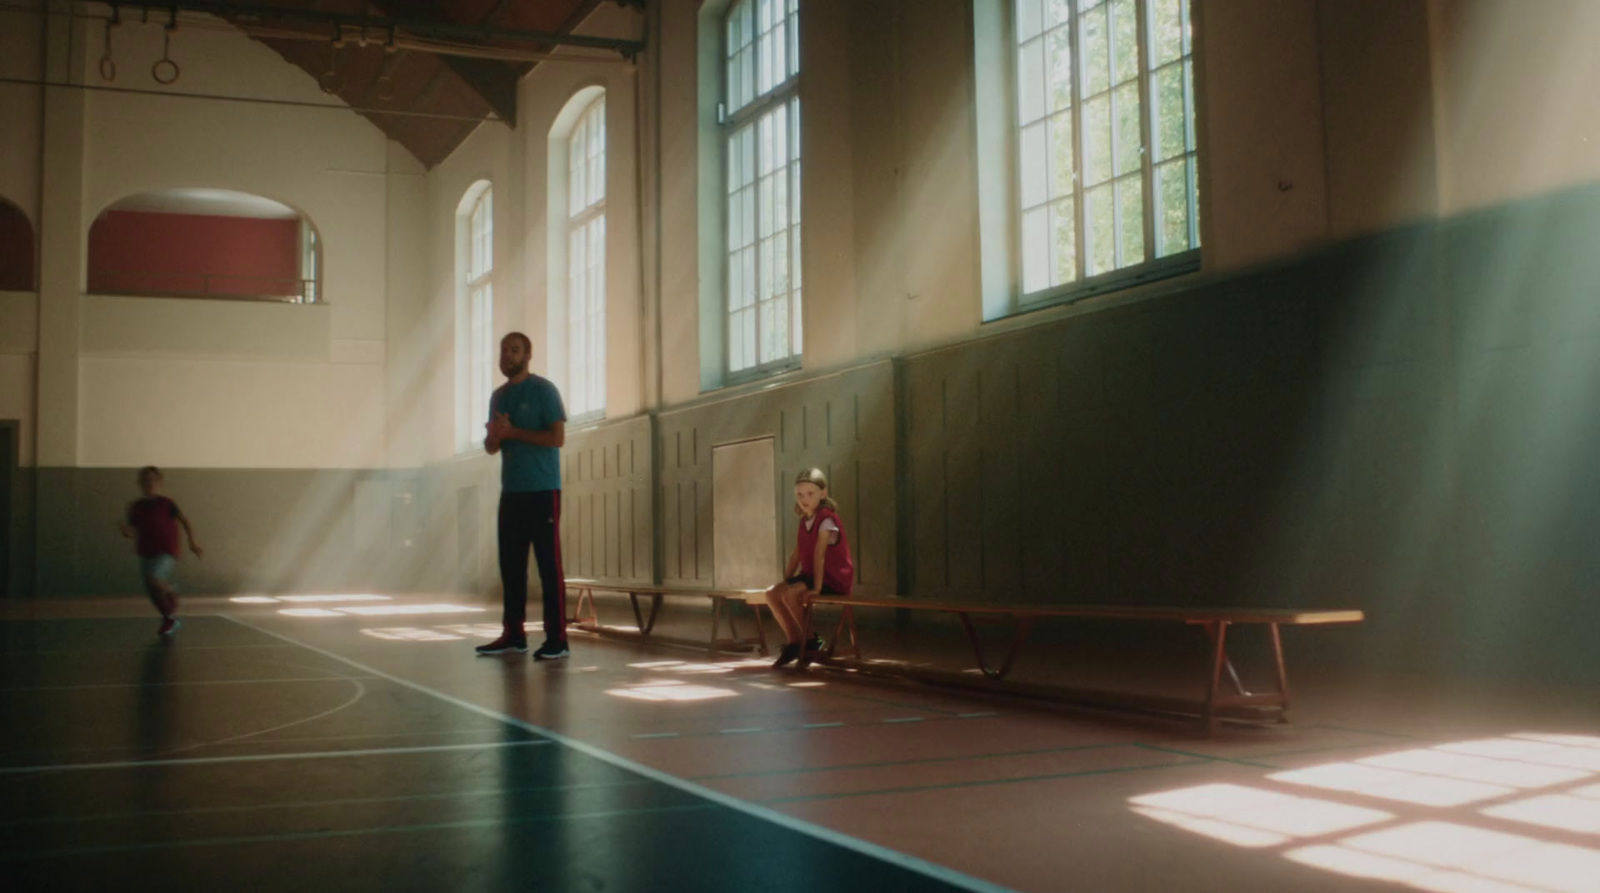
(1589,741)
(253,600)
(1435,848)
(1493,855)
(1530,751)
(410,634)
(671,690)
(335,598)
(1564,811)
(1354,863)
(1512,773)
(380,610)
(1393,784)
(1253,816)
(474,630)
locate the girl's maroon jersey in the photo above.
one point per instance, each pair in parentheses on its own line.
(156,520)
(838,571)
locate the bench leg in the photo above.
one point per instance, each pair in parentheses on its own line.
(585,595)
(847,618)
(1018,636)
(645,624)
(1219,658)
(1283,674)
(761,632)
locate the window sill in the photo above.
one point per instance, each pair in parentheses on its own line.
(758,374)
(1129,281)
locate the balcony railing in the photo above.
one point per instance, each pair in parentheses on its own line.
(144,283)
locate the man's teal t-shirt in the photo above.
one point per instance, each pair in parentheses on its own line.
(533,404)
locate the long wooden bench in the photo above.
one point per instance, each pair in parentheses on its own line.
(584,589)
(1215,622)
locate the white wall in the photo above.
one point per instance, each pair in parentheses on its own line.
(1519,112)
(19,342)
(222,384)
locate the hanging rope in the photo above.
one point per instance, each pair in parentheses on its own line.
(165,71)
(108,66)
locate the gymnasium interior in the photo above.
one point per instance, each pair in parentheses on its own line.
(1209,390)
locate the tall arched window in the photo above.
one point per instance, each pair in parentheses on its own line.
(475,348)
(762,133)
(586,262)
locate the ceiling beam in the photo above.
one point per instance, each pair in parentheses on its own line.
(494,81)
(378,25)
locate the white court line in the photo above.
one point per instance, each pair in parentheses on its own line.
(175,684)
(263,757)
(783,820)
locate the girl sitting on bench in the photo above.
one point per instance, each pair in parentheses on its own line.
(819,564)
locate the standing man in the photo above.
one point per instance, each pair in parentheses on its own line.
(528,424)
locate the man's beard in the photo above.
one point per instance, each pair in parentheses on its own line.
(512,371)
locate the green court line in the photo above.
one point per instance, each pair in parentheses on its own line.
(198,682)
(269,757)
(9,651)
(1311,750)
(1398,735)
(318,804)
(990,782)
(806,727)
(294,836)
(774,817)
(1206,756)
(890,763)
(264,742)
(828,692)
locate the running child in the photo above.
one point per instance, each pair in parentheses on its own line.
(154,520)
(819,564)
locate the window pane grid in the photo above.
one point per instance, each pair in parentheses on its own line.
(1106,136)
(586,262)
(763,183)
(762,49)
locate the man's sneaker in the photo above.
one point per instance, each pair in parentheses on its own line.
(504,644)
(787,655)
(552,651)
(169,625)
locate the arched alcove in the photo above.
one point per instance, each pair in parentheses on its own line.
(204,243)
(16,249)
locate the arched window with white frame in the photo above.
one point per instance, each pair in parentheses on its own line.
(586,262)
(475,348)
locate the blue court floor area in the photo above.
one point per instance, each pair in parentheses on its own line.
(357,743)
(225,758)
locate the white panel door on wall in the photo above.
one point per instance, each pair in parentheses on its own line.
(744,513)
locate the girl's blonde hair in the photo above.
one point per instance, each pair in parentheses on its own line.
(815,477)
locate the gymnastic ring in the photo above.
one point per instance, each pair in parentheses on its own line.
(157,69)
(108,69)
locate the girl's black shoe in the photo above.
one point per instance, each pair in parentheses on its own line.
(787,655)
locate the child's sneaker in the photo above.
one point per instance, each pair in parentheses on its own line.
(169,625)
(811,651)
(503,644)
(552,651)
